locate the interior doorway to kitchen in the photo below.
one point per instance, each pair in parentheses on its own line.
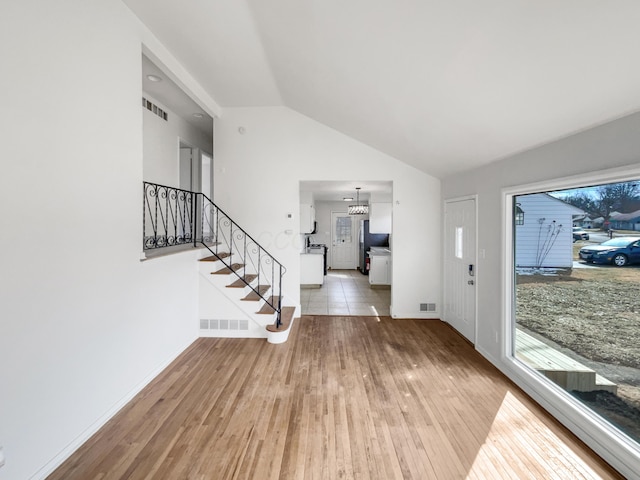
(346,288)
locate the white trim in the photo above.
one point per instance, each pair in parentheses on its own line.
(162,58)
(611,175)
(610,443)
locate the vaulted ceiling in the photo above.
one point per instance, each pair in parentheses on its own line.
(444,85)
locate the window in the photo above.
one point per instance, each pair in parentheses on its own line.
(459,244)
(577,311)
(343,229)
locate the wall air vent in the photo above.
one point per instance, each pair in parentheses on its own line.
(152,107)
(427,307)
(215,324)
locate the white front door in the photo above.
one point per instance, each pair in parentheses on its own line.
(343,241)
(460,267)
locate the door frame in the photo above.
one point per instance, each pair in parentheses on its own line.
(476,277)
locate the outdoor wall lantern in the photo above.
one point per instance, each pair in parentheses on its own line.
(519,215)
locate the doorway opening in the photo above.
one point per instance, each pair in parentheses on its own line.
(347,288)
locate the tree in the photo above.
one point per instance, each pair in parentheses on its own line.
(581,200)
(616,197)
(601,201)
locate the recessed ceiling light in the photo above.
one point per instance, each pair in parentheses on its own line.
(198,115)
(347,199)
(154,78)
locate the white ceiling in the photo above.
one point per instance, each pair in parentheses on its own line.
(442,85)
(174,98)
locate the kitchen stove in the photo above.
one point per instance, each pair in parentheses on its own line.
(320,249)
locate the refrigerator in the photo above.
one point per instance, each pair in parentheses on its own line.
(368,240)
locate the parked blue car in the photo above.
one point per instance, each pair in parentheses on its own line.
(619,251)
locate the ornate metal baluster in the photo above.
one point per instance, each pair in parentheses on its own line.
(170,217)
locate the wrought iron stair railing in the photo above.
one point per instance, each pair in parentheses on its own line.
(172,216)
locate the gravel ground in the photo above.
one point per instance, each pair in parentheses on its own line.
(592,315)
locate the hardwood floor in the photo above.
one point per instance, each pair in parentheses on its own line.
(345,397)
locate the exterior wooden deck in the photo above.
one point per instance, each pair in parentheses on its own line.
(559,368)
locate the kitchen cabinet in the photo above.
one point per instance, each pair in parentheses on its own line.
(311,269)
(307,217)
(380,217)
(380,269)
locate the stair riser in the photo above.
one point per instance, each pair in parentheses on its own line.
(223,281)
(210,267)
(236,295)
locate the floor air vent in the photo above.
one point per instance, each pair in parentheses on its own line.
(427,307)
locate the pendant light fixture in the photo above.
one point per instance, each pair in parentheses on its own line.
(358,209)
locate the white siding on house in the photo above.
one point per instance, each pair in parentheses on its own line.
(545,239)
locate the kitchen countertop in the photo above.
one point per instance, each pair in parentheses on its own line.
(379,251)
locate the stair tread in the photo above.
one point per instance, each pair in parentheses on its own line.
(213,258)
(226,270)
(285,317)
(240,284)
(253,296)
(268,309)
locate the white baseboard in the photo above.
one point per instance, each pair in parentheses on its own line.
(66,452)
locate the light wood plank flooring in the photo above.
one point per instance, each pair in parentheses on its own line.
(345,397)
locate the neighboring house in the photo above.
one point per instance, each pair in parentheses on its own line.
(544,231)
(600,222)
(626,221)
(583,220)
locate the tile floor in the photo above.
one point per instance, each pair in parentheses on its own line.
(345,292)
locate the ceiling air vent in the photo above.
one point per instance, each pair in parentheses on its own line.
(427,307)
(152,107)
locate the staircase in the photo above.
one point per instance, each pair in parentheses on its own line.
(253,316)
(240,282)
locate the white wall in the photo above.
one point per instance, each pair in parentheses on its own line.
(162,142)
(609,146)
(257,182)
(84,323)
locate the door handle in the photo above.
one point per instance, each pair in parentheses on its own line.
(470,282)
